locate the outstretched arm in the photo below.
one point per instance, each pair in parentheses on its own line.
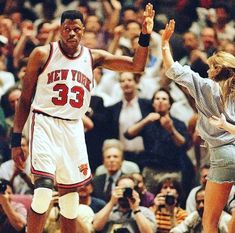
(166,52)
(221,122)
(125,63)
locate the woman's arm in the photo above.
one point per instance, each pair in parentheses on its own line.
(221,122)
(166,52)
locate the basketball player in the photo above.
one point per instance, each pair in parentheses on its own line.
(56,93)
(215,98)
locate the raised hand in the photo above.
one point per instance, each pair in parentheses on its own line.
(148,21)
(168,31)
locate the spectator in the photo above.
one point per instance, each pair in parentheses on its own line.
(165,141)
(193,222)
(86,198)
(209,40)
(146,198)
(190,202)
(12,214)
(133,108)
(166,205)
(112,159)
(19,180)
(123,212)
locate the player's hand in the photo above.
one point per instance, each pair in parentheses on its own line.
(148,21)
(218,122)
(18,157)
(168,31)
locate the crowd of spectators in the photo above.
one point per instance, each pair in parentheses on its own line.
(148,161)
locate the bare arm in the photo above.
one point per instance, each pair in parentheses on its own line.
(124,63)
(16,219)
(36,61)
(102,217)
(166,53)
(113,15)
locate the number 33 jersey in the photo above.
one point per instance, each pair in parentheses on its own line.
(64,86)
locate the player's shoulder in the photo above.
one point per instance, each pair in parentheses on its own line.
(42,50)
(40,53)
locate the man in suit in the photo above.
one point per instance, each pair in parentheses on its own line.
(124,114)
(112,160)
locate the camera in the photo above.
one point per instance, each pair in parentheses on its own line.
(127,193)
(121,230)
(170,199)
(3,187)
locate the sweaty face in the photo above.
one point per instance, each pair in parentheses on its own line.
(71,32)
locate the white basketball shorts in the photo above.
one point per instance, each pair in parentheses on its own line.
(58,151)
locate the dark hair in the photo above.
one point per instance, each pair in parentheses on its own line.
(72,15)
(222,5)
(198,191)
(5,182)
(205,166)
(171,100)
(176,184)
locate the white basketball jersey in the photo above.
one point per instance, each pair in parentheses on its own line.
(64,86)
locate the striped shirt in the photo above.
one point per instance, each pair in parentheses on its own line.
(206,93)
(166,221)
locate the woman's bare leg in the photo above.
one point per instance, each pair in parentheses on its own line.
(216,197)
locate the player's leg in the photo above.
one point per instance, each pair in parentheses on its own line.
(216,197)
(68,203)
(40,204)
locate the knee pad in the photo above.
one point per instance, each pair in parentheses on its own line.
(68,204)
(41,200)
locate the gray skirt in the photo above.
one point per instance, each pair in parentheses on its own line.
(222,164)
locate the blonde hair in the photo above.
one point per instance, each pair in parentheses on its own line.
(226,76)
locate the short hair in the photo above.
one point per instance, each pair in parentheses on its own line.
(128,176)
(171,100)
(112,143)
(72,15)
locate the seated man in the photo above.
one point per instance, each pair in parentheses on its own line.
(123,212)
(112,159)
(193,223)
(12,214)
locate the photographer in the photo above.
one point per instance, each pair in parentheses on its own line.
(193,222)
(166,204)
(12,214)
(122,214)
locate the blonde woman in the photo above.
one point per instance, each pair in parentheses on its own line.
(213,96)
